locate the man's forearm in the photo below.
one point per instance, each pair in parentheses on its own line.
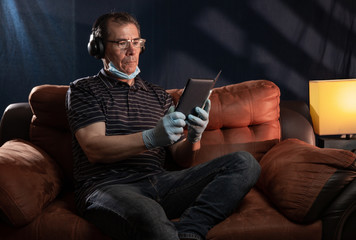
(100,148)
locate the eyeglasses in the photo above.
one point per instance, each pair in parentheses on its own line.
(124,44)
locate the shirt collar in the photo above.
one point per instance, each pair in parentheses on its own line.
(111,82)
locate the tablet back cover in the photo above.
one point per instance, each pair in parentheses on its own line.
(194,95)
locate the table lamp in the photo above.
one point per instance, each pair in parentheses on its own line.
(333,106)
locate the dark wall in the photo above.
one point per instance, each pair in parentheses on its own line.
(286,41)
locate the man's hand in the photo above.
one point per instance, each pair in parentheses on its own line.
(197,124)
(168,130)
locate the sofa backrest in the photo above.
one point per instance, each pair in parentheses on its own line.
(243,116)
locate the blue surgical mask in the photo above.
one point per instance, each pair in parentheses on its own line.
(122,75)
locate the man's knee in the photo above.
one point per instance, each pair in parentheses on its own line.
(246,165)
(250,161)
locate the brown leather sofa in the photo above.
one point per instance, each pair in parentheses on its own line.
(304,192)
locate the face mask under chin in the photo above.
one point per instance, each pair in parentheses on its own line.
(113,70)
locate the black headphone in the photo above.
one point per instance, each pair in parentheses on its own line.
(96,45)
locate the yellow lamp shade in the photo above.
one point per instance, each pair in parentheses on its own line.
(333,106)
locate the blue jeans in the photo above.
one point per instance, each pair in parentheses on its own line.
(200,197)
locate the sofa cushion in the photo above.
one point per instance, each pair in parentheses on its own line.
(243,116)
(29,180)
(50,129)
(48,106)
(302,180)
(242,104)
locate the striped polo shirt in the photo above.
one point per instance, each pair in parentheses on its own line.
(125,110)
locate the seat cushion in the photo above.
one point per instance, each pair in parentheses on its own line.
(56,222)
(302,180)
(257,219)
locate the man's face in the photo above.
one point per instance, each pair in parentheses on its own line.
(125,60)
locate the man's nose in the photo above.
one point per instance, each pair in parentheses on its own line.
(131,49)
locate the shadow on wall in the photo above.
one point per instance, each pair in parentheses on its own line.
(36,47)
(288,42)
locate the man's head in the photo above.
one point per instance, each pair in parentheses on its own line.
(116,38)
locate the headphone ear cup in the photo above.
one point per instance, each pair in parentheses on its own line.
(96,47)
(101,48)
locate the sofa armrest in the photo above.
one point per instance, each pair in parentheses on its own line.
(339,219)
(29,180)
(303,180)
(296,121)
(15,122)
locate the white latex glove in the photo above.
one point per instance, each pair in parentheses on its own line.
(198,123)
(168,130)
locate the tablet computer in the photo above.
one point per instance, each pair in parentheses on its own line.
(195,93)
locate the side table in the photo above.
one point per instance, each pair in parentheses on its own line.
(334,142)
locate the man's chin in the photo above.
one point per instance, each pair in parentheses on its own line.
(130,70)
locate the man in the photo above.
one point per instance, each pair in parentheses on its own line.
(122,128)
